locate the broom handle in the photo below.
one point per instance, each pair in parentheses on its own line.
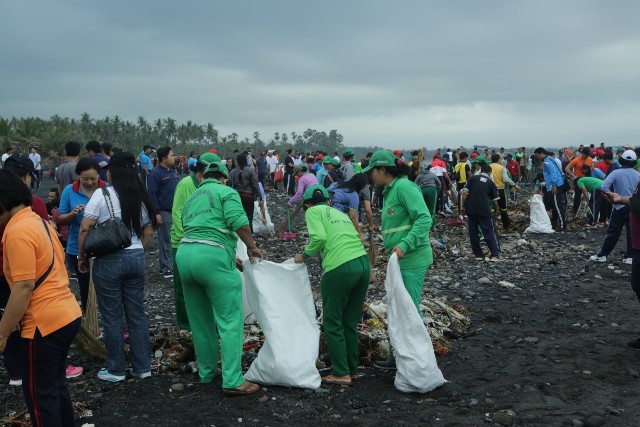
(288,221)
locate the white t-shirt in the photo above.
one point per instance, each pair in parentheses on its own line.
(97,209)
(35,158)
(272,162)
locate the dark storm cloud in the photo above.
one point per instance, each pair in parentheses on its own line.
(388,73)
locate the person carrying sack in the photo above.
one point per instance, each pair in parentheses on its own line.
(344,282)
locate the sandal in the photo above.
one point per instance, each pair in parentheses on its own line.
(331,379)
(247,387)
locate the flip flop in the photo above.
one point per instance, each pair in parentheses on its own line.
(330,379)
(245,389)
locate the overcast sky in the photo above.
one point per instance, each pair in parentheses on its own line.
(397,74)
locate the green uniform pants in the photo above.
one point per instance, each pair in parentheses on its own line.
(413,279)
(213,295)
(181,311)
(430,196)
(343,290)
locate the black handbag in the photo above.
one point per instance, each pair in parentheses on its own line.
(109,236)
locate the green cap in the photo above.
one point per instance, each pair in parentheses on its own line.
(380,158)
(478,159)
(327,160)
(335,162)
(620,150)
(217,167)
(348,152)
(299,168)
(308,193)
(208,158)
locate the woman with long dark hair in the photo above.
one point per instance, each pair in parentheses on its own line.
(119,277)
(405,225)
(245,181)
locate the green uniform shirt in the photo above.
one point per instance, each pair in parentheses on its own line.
(184,189)
(213,213)
(590,183)
(406,222)
(331,233)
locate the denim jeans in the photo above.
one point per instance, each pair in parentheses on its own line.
(119,281)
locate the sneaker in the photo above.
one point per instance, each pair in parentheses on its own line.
(633,345)
(597,258)
(168,274)
(142,375)
(387,365)
(106,376)
(17,382)
(74,371)
(627,261)
(492,258)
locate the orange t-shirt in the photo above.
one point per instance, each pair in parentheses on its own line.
(27,254)
(578,163)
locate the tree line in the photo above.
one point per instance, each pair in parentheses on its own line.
(50,135)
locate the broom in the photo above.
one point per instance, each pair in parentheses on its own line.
(87,340)
(284,225)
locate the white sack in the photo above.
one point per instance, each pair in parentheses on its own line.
(281,298)
(260,229)
(540,222)
(241,252)
(416,362)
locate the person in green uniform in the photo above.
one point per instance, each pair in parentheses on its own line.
(405,225)
(592,194)
(344,282)
(212,220)
(184,189)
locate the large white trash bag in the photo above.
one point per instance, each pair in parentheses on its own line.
(260,229)
(241,252)
(281,298)
(416,362)
(540,222)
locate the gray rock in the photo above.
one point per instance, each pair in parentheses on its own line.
(502,419)
(613,411)
(594,421)
(321,390)
(582,235)
(177,387)
(532,340)
(577,423)
(484,281)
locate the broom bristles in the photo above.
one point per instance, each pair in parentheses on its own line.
(87,340)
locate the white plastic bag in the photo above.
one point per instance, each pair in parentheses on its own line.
(281,298)
(416,362)
(260,229)
(540,222)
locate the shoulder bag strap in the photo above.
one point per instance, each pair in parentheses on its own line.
(53,257)
(107,198)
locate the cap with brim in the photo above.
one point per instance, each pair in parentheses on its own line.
(398,152)
(208,158)
(335,162)
(18,161)
(217,167)
(327,160)
(308,193)
(319,157)
(348,152)
(379,159)
(478,159)
(299,168)
(620,150)
(122,160)
(629,155)
(629,147)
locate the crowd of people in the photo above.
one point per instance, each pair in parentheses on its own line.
(200,217)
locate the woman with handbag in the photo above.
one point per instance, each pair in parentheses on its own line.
(74,199)
(49,318)
(118,268)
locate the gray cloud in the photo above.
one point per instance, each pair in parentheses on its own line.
(401,74)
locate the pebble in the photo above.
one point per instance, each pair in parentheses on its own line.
(576,325)
(484,281)
(386,402)
(582,235)
(594,421)
(177,387)
(532,340)
(240,419)
(613,411)
(502,419)
(473,402)
(263,399)
(506,284)
(321,390)
(586,372)
(617,271)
